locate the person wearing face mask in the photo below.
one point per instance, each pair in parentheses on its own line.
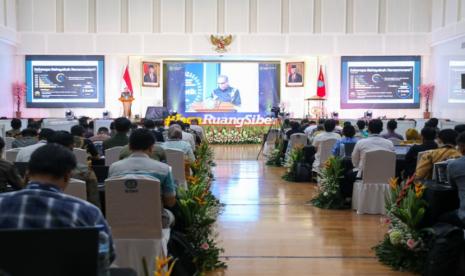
(446,141)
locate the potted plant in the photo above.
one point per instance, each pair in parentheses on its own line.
(18,92)
(426,90)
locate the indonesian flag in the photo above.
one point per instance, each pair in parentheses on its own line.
(127,84)
(321,89)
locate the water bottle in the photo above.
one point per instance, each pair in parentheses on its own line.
(103,253)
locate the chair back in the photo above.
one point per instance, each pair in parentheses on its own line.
(272,136)
(8,143)
(81,155)
(379,167)
(63,251)
(10,155)
(175,158)
(347,149)
(77,188)
(133,207)
(325,150)
(112,155)
(298,140)
(395,141)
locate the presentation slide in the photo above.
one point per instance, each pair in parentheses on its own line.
(65,81)
(380,82)
(456,93)
(221,87)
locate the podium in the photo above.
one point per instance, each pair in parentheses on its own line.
(127,103)
(221,107)
(319,110)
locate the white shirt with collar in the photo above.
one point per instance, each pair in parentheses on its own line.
(324,136)
(24,154)
(371,143)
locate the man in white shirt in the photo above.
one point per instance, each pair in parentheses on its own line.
(373,142)
(25,153)
(328,134)
(310,128)
(186,136)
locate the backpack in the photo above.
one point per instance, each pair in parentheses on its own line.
(183,252)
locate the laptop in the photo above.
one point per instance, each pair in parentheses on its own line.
(51,252)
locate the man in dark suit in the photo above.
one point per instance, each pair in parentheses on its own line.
(428,135)
(294,77)
(150,76)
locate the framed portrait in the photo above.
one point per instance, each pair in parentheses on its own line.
(150,73)
(295,74)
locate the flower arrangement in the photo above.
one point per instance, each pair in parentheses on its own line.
(329,192)
(426,90)
(19,89)
(405,245)
(235,135)
(295,156)
(200,209)
(276,157)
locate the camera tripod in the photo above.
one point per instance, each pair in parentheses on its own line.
(276,124)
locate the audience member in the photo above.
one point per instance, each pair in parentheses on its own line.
(310,128)
(28,137)
(433,123)
(412,136)
(328,134)
(348,131)
(158,153)
(460,128)
(198,129)
(88,131)
(81,171)
(141,143)
(122,126)
(103,134)
(150,125)
(186,136)
(8,173)
(42,203)
(304,124)
(391,131)
(295,128)
(362,133)
(80,142)
(456,176)
(175,142)
(446,142)
(15,130)
(428,135)
(25,153)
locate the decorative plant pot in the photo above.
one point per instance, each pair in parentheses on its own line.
(426,115)
(18,114)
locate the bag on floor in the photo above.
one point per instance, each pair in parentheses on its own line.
(446,256)
(303,172)
(183,252)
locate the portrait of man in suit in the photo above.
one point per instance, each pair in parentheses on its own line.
(151,74)
(295,74)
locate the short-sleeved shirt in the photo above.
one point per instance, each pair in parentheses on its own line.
(158,153)
(373,142)
(141,163)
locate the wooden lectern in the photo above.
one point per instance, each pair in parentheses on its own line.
(127,102)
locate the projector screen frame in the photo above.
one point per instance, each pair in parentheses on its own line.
(344,89)
(100,85)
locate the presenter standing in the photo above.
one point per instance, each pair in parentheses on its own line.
(225,93)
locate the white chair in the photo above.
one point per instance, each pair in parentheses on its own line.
(10,155)
(133,211)
(9,143)
(77,188)
(369,193)
(395,141)
(81,155)
(175,158)
(296,140)
(324,151)
(270,141)
(112,155)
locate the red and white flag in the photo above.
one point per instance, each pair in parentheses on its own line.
(321,88)
(127,84)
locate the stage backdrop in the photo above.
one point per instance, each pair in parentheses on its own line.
(221,92)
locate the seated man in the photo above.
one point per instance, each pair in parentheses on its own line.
(15,130)
(198,129)
(150,125)
(456,176)
(295,128)
(348,131)
(428,134)
(158,153)
(361,133)
(186,136)
(24,154)
(42,203)
(175,142)
(81,171)
(122,126)
(446,150)
(81,142)
(103,134)
(310,128)
(28,137)
(391,131)
(141,144)
(328,134)
(8,173)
